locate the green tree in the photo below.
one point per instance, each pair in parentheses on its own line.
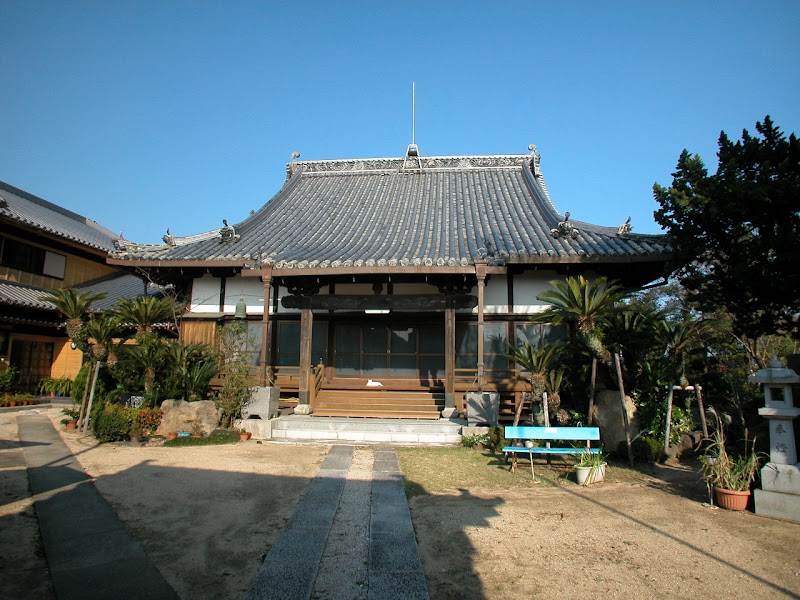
(74,305)
(144,312)
(735,234)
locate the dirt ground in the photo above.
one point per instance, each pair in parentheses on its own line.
(206,515)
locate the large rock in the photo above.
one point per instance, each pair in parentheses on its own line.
(607,415)
(180,415)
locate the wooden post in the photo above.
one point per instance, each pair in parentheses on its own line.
(480,271)
(701,406)
(91,397)
(306,327)
(669,418)
(266,278)
(592,391)
(449,359)
(624,409)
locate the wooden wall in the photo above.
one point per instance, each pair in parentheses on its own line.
(198,332)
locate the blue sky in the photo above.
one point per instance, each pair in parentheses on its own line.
(148,115)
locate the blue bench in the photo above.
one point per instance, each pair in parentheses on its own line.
(531,435)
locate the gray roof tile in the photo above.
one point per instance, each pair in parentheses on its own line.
(454,210)
(27,209)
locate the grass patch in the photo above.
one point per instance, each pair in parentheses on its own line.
(437,470)
(215,439)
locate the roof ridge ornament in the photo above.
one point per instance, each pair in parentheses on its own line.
(227,233)
(625,228)
(535,160)
(168,238)
(565,228)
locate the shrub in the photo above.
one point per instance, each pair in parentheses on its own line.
(645,449)
(111,425)
(470,441)
(496,439)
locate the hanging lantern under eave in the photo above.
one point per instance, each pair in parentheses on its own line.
(241,309)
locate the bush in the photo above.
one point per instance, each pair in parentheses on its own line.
(470,441)
(645,449)
(111,425)
(497,439)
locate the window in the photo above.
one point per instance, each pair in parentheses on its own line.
(400,350)
(31,259)
(288,353)
(495,345)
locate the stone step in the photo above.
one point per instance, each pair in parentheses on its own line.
(395,413)
(348,429)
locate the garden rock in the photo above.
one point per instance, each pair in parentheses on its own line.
(180,415)
(607,415)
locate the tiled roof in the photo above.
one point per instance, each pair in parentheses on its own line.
(116,286)
(443,211)
(24,208)
(15,294)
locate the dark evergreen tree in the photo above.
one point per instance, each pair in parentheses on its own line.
(736,234)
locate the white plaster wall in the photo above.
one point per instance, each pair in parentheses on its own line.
(205,294)
(529,285)
(282,293)
(249,288)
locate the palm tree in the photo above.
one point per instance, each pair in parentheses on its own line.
(149,356)
(101,330)
(582,303)
(145,311)
(680,338)
(74,305)
(538,363)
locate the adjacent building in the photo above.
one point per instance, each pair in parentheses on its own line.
(44,247)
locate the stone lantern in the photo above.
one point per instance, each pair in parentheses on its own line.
(780,477)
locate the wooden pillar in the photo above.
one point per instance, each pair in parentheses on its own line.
(449,359)
(266,377)
(480,271)
(306,327)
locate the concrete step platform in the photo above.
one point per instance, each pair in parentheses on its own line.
(350,429)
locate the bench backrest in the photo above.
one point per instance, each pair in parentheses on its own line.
(552,433)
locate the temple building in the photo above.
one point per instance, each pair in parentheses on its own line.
(391,286)
(44,247)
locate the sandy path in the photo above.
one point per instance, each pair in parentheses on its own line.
(206,515)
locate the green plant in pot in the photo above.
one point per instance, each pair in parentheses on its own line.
(7,378)
(590,467)
(730,475)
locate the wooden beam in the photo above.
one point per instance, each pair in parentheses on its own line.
(266,278)
(306,327)
(480,271)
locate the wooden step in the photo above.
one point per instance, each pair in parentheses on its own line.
(386,414)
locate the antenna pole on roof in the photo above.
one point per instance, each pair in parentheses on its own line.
(413,150)
(413,110)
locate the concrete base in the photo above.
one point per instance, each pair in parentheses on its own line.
(302,409)
(483,408)
(344,429)
(260,428)
(449,412)
(784,479)
(263,404)
(778,505)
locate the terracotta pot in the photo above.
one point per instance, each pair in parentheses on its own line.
(243,436)
(197,435)
(172,435)
(732,500)
(71,424)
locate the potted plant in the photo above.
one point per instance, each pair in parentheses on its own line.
(244,435)
(7,377)
(590,467)
(70,419)
(730,475)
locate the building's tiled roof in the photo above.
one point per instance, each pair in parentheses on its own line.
(116,286)
(16,294)
(444,211)
(32,211)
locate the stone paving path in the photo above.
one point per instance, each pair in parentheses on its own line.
(351,536)
(89,551)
